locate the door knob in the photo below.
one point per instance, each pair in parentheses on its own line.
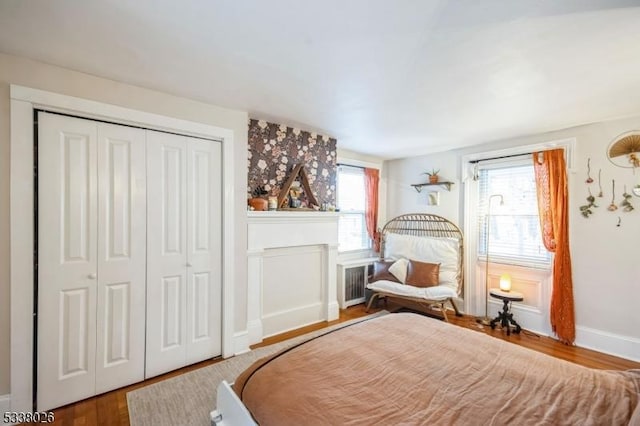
(93,276)
(189,265)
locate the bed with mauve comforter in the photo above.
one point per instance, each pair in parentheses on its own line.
(408,369)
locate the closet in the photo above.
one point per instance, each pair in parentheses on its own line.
(128,243)
(183,278)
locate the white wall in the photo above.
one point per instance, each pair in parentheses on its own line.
(606,270)
(20,71)
(403,198)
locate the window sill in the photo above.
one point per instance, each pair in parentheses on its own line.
(518,263)
(348,255)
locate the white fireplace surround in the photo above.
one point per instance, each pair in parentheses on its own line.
(288,233)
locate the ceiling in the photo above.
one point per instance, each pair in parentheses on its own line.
(387,78)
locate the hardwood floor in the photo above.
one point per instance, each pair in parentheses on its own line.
(111,408)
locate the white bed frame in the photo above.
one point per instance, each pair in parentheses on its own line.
(230,411)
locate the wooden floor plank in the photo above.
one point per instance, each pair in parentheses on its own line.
(111,408)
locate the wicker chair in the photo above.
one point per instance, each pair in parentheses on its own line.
(421,225)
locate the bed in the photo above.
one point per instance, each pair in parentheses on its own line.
(429,245)
(405,368)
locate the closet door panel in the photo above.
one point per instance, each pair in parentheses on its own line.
(121,256)
(204,321)
(166,252)
(67,260)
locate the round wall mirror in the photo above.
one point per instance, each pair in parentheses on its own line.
(624,151)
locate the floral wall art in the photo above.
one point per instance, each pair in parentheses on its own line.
(274,149)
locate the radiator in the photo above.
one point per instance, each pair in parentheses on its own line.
(352,280)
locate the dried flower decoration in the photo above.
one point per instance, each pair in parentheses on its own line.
(586,209)
(600,194)
(589,179)
(626,201)
(612,207)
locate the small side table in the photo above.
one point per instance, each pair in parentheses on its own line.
(505,318)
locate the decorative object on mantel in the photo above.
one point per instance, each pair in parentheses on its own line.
(258,202)
(585,210)
(290,191)
(612,207)
(433,175)
(272,203)
(624,151)
(589,179)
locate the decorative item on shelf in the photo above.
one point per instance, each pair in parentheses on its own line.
(589,179)
(624,151)
(486,320)
(585,210)
(626,201)
(258,202)
(433,175)
(272,203)
(612,207)
(299,180)
(294,195)
(600,194)
(505,282)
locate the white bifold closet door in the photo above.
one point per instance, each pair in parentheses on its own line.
(91,258)
(184,323)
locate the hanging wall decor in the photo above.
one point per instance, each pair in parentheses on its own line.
(586,209)
(624,151)
(626,201)
(600,194)
(589,179)
(612,207)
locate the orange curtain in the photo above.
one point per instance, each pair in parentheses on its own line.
(553,201)
(371,178)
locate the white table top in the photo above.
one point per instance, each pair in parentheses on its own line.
(506,295)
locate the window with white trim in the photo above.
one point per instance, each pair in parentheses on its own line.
(351,200)
(515,236)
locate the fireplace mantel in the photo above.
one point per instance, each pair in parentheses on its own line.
(302,291)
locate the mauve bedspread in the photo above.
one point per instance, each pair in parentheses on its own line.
(405,369)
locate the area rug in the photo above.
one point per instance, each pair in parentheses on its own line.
(187,399)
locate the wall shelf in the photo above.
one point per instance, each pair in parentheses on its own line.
(445,185)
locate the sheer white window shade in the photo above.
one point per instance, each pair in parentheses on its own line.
(515,226)
(352,230)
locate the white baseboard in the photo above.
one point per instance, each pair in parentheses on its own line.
(254,329)
(5,405)
(333,310)
(609,343)
(527,317)
(289,319)
(241,343)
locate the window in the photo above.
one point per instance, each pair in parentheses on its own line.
(514,232)
(352,229)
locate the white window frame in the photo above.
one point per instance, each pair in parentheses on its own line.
(498,164)
(344,213)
